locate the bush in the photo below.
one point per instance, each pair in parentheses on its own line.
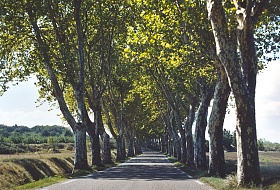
(6,148)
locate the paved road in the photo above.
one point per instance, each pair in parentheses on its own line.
(149,171)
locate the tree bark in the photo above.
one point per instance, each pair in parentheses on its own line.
(215,125)
(242,79)
(97,131)
(248,170)
(183,146)
(170,145)
(201,123)
(130,147)
(95,149)
(138,146)
(121,152)
(80,158)
(182,154)
(189,136)
(106,149)
(176,140)
(164,145)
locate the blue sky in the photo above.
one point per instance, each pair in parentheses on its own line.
(17,106)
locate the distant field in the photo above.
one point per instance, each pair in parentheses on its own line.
(269,165)
(272,156)
(269,161)
(36,155)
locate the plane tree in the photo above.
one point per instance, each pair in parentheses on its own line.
(159,45)
(38,52)
(236,50)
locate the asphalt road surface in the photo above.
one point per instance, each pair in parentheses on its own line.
(149,171)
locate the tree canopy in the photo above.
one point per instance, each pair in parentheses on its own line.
(142,67)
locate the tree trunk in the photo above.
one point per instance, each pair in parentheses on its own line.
(121,154)
(242,79)
(106,149)
(175,155)
(190,148)
(170,147)
(164,143)
(180,142)
(174,135)
(216,123)
(123,147)
(189,137)
(183,147)
(248,170)
(95,150)
(138,149)
(80,159)
(176,146)
(96,131)
(130,147)
(201,123)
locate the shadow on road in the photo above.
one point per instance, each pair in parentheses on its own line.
(150,165)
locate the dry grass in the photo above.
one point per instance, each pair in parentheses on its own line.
(36,155)
(20,169)
(270,171)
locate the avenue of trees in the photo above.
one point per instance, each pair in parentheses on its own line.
(146,70)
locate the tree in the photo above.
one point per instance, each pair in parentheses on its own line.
(242,78)
(261,144)
(201,123)
(216,121)
(227,140)
(51,142)
(42,50)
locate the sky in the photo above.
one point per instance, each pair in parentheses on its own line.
(267,105)
(17,106)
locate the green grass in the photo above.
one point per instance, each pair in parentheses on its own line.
(192,171)
(41,183)
(217,183)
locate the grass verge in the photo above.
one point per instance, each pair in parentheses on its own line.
(270,172)
(56,179)
(30,171)
(41,183)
